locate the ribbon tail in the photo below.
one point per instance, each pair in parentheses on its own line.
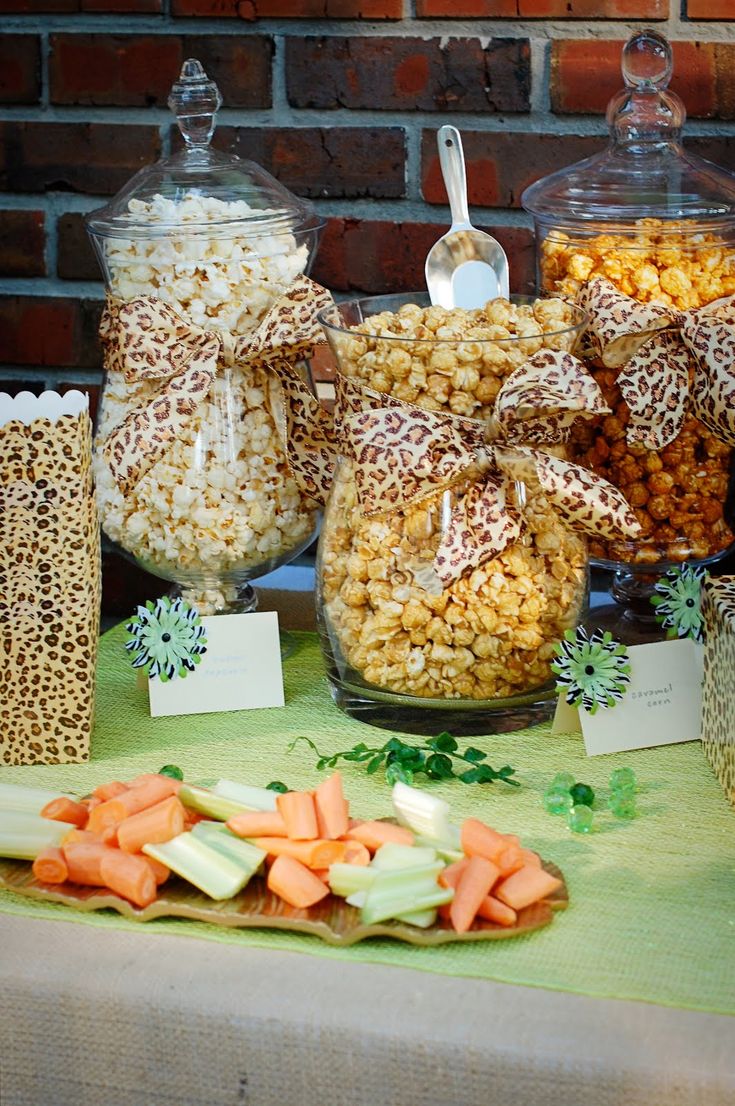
(307,432)
(713,386)
(584,500)
(137,443)
(655,386)
(482,525)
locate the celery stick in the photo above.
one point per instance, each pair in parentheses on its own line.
(346,879)
(445,850)
(206,802)
(23,836)
(358,899)
(194,860)
(14,796)
(379,907)
(219,837)
(391,856)
(254,798)
(421,918)
(403,891)
(425,814)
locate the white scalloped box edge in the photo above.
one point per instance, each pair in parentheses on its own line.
(26,408)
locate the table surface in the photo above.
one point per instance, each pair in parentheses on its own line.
(92,1015)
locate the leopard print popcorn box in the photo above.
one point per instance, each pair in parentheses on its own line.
(210,317)
(452,556)
(49,579)
(718,691)
(642,235)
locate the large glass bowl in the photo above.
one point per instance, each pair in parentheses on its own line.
(472,657)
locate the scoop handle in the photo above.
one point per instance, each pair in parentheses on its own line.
(451,159)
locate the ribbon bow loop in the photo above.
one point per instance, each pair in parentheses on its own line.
(669,361)
(147,340)
(402,454)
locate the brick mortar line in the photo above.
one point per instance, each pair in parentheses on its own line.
(540,77)
(674,25)
(531,122)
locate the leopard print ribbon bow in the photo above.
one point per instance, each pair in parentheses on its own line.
(402,454)
(657,346)
(146,339)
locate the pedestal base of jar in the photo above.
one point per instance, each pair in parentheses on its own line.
(429,717)
(211,599)
(631,619)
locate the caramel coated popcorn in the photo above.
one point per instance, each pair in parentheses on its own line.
(221,502)
(491,633)
(654,265)
(678,494)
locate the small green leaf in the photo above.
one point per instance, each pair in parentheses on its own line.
(396,773)
(439,767)
(469,776)
(276,785)
(474,756)
(375,764)
(443,743)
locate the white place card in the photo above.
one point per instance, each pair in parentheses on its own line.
(241,669)
(661,705)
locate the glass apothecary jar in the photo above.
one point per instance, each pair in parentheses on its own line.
(658,224)
(402,649)
(192,475)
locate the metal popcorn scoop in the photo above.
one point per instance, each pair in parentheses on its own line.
(466,267)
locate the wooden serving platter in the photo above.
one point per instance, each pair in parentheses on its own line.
(332,920)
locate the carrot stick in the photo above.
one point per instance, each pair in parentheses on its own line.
(109,790)
(332,810)
(526,886)
(133,799)
(294,883)
(531,858)
(312,854)
(66,810)
(146,777)
(50,866)
(509,860)
(84,862)
(449,877)
(480,840)
(90,802)
(74,836)
(474,884)
(299,813)
(129,876)
(375,834)
(356,853)
(151,826)
(493,910)
(258,823)
(160,871)
(109,836)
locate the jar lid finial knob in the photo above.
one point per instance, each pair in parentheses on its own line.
(195,100)
(647,61)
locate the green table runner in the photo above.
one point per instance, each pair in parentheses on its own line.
(652,914)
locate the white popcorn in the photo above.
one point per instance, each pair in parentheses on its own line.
(221,504)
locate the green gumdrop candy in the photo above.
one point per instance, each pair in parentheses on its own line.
(622,779)
(622,805)
(563,781)
(557,800)
(579,819)
(582,794)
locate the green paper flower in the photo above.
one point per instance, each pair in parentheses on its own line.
(678,602)
(592,671)
(168,638)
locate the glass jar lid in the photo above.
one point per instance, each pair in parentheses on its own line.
(645,172)
(199,189)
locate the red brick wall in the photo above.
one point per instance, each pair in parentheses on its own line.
(339,98)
